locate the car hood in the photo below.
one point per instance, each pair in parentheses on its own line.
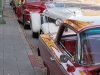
(36,4)
(62,13)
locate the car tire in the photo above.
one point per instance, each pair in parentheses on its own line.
(11,3)
(19,21)
(24,20)
(15,10)
(35,34)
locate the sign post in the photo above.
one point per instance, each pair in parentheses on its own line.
(1,13)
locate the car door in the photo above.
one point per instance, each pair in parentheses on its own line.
(67,42)
(49,60)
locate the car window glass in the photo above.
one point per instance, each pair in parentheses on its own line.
(69,40)
(90,40)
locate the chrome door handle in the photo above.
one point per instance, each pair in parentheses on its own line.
(52,58)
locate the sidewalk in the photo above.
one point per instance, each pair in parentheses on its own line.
(16,57)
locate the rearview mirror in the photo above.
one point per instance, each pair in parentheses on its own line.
(63,58)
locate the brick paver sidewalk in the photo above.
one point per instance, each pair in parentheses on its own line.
(15,53)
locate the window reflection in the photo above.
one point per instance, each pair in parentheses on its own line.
(90,40)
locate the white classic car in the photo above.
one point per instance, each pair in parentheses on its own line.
(53,15)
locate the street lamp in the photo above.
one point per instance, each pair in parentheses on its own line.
(1,13)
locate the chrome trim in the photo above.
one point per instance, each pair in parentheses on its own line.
(79,47)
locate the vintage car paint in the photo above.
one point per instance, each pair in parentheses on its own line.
(78,25)
(51,14)
(50,51)
(27,7)
(64,13)
(53,64)
(18,11)
(36,22)
(54,50)
(27,12)
(85,22)
(38,5)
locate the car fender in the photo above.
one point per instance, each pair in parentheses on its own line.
(35,21)
(27,13)
(19,11)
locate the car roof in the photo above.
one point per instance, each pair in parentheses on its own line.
(83,22)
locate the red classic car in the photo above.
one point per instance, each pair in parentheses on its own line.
(28,6)
(74,50)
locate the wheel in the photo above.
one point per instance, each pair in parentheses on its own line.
(19,21)
(15,10)
(24,20)
(11,3)
(35,34)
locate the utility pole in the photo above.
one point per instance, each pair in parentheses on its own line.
(1,13)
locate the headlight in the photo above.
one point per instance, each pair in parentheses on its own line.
(58,21)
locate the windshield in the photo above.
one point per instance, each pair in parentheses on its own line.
(52,4)
(90,42)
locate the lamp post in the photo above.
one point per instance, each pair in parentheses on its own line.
(1,13)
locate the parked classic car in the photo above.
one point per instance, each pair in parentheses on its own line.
(14,4)
(55,12)
(74,49)
(28,6)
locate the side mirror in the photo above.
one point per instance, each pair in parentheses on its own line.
(58,21)
(63,58)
